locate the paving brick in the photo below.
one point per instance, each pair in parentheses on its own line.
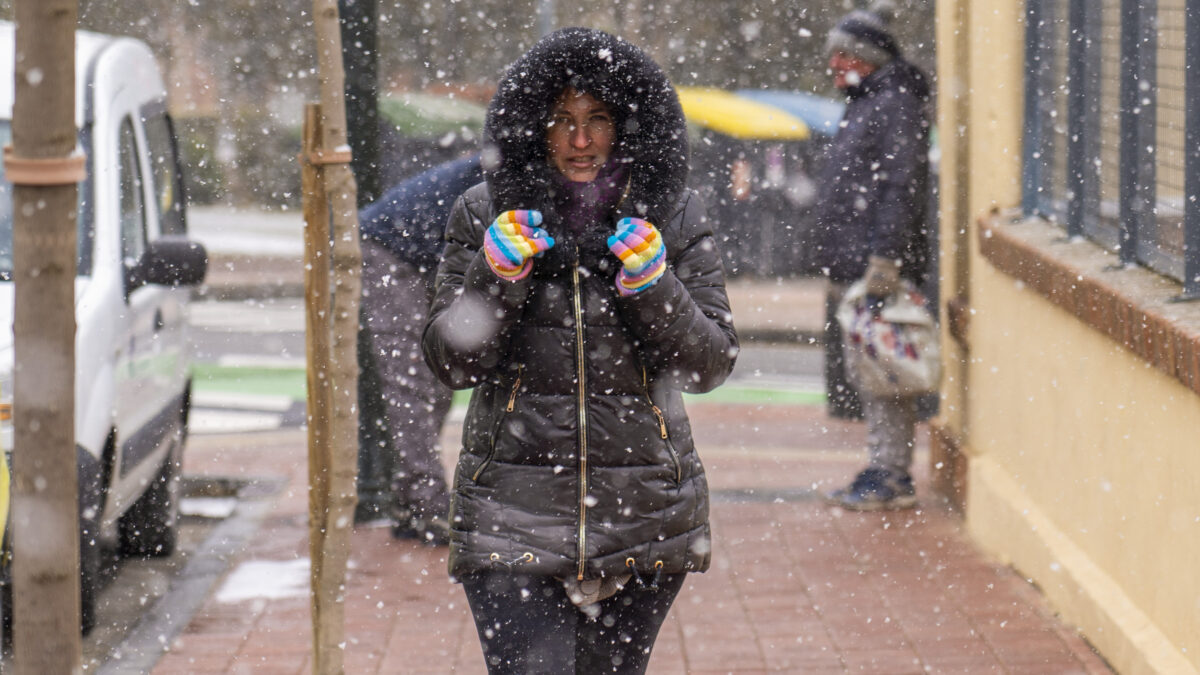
(883,661)
(963,666)
(199,663)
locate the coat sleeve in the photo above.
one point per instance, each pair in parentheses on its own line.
(683,323)
(473,310)
(902,146)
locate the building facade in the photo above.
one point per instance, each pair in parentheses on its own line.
(1069,430)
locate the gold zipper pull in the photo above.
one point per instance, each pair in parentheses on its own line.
(512,397)
(662,421)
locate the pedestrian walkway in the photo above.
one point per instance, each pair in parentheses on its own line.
(795,587)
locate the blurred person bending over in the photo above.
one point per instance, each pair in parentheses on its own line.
(580,293)
(871,220)
(400,473)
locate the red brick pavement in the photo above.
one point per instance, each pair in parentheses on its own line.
(795,587)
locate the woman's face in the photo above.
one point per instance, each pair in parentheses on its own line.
(580,135)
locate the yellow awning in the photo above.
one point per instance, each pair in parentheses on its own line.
(733,115)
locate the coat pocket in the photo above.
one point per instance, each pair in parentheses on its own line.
(675,461)
(500,415)
(676,464)
(664,434)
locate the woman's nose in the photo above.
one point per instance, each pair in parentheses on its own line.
(580,138)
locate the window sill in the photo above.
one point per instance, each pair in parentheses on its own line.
(1133,306)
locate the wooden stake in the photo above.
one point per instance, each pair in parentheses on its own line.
(45,515)
(318,330)
(333,527)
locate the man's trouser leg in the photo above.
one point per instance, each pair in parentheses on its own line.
(415,402)
(842,400)
(890,432)
(375,454)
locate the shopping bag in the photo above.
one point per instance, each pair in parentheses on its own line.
(893,350)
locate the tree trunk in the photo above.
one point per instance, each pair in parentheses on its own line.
(45,517)
(329,568)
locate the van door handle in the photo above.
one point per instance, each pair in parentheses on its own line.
(158,320)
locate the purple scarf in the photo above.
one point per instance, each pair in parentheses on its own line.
(584,206)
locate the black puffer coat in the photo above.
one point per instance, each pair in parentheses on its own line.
(577,453)
(874,177)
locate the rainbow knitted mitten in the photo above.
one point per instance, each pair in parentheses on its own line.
(640,247)
(512,240)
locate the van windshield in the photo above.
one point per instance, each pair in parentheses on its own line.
(83,246)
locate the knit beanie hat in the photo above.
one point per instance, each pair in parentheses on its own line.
(864,33)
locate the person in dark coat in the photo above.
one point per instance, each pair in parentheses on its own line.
(579,294)
(400,472)
(871,220)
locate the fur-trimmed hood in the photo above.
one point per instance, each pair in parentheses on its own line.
(651,132)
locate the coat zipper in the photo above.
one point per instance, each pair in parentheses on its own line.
(512,399)
(662,427)
(582,402)
(512,396)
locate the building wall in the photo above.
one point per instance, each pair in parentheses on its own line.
(1081,457)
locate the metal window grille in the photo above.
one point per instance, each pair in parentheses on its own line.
(1100,224)
(1112,127)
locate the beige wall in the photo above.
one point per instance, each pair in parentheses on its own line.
(953,218)
(1084,462)
(1085,473)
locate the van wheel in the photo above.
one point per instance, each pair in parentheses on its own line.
(90,554)
(149,528)
(90,561)
(89,579)
(6,603)
(91,546)
(91,558)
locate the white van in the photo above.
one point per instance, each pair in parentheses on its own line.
(135,265)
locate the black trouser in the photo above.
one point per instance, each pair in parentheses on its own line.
(528,625)
(399,469)
(841,397)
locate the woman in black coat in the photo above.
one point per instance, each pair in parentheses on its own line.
(580,292)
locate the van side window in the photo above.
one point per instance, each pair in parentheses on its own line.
(168,192)
(133,218)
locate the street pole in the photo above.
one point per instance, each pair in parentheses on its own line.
(360,37)
(545,17)
(44,170)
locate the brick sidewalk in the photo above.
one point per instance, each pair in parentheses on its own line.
(795,587)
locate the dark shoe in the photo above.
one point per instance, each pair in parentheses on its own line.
(431,531)
(370,508)
(876,490)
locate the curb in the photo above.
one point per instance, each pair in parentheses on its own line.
(144,646)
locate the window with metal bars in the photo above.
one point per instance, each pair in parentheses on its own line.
(1112,127)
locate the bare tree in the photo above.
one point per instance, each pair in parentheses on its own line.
(44,171)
